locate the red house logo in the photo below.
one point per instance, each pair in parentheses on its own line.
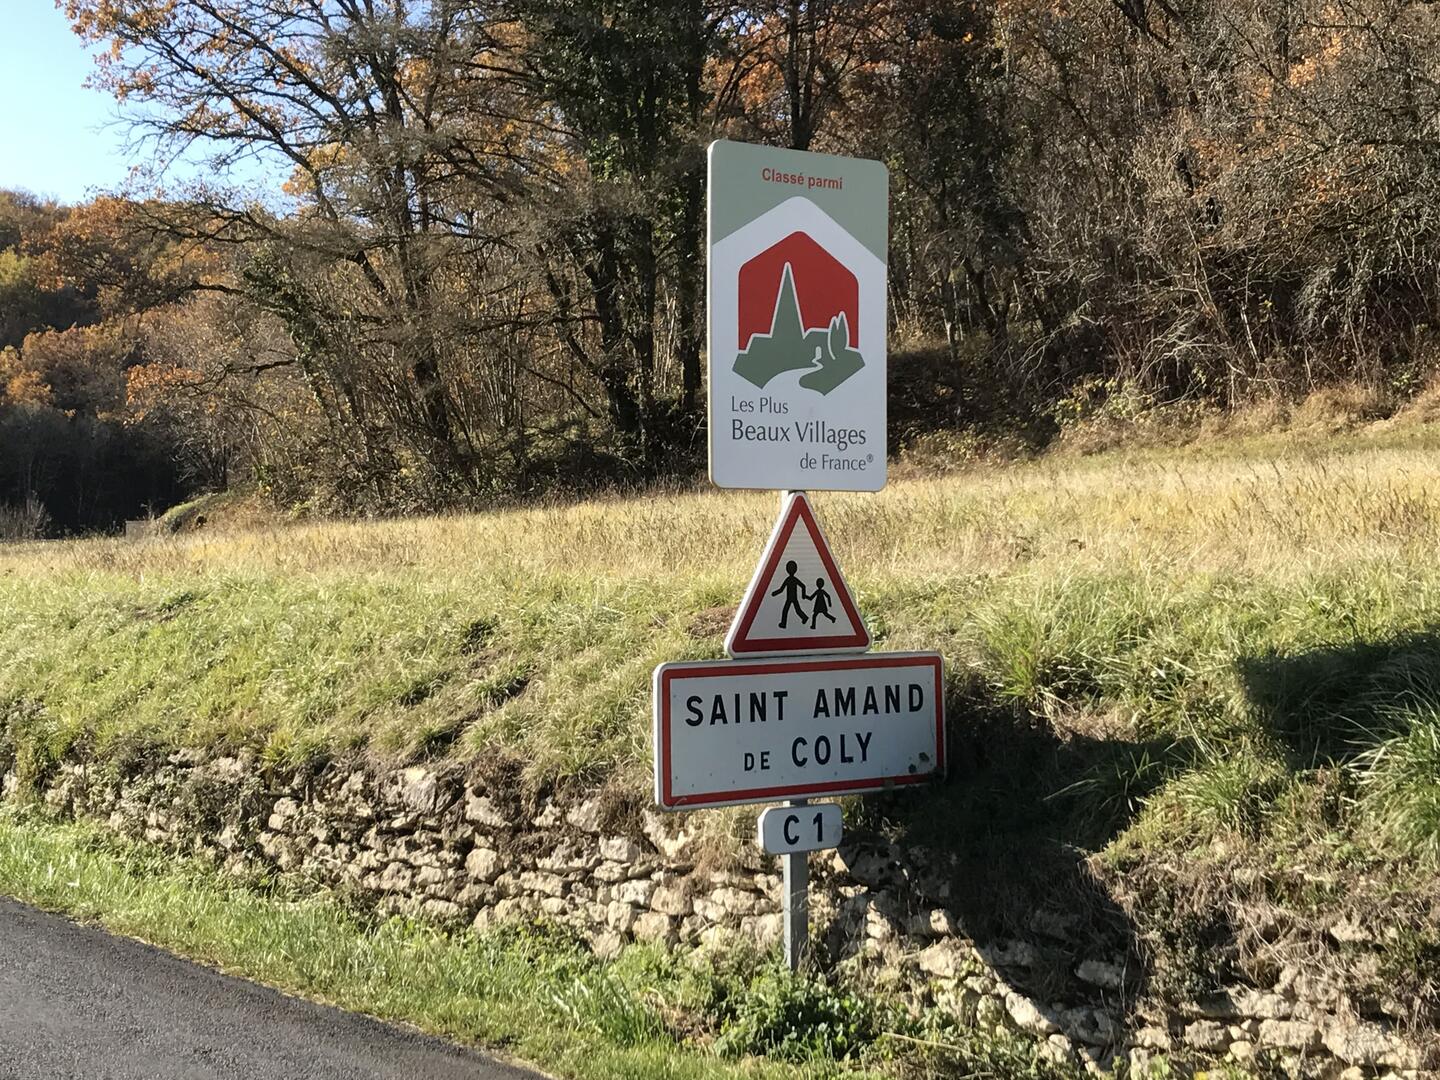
(798,310)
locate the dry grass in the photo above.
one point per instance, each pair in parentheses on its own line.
(1117,596)
(1275,507)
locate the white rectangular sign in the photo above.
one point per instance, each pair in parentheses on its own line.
(797,246)
(747,731)
(785,829)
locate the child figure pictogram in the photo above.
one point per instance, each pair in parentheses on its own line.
(791,586)
(822,603)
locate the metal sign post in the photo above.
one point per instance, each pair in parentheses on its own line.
(797,903)
(795,872)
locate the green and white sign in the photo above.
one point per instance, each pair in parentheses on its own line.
(797,251)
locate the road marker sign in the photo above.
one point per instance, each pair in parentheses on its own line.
(797,270)
(797,601)
(782,830)
(729,732)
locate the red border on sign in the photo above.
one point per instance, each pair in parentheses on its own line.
(711,669)
(743,643)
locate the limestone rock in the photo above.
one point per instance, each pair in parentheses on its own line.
(422,792)
(621,916)
(569,859)
(1028,1016)
(1106,976)
(282,813)
(618,849)
(1057,1050)
(989,1012)
(670,900)
(934,923)
(1240,1003)
(1261,1006)
(396,877)
(482,864)
(1011,954)
(636,892)
(867,867)
(534,881)
(655,926)
(656,828)
(736,901)
(1367,1044)
(879,927)
(1290,1034)
(1315,991)
(1207,1036)
(944,960)
(607,944)
(765,930)
(586,816)
(1151,1038)
(441,910)
(479,810)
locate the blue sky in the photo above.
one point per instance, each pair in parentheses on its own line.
(56,137)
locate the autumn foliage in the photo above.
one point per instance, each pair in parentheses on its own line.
(452,252)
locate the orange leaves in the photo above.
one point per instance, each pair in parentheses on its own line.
(20,385)
(154,385)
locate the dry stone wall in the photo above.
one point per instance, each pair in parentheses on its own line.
(462,851)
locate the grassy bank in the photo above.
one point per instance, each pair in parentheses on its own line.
(529,990)
(1222,661)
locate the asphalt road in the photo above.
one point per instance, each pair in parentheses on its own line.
(78,1004)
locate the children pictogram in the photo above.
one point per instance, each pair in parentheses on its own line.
(782,612)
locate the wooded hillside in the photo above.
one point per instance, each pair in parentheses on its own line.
(484,274)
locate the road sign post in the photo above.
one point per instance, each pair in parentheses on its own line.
(796,298)
(796,884)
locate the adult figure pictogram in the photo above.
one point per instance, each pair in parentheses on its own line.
(794,592)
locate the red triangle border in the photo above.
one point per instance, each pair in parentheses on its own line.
(742,644)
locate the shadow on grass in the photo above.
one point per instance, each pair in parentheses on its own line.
(1331,704)
(1012,830)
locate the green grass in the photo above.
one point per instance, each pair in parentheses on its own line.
(530,990)
(1177,660)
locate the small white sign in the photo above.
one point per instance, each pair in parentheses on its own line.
(798,601)
(785,829)
(747,731)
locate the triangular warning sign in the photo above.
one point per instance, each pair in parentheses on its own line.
(797,601)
